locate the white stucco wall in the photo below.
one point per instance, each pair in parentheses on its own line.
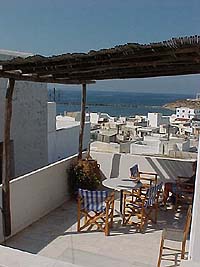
(63,135)
(36,194)
(154,119)
(29,121)
(105,147)
(28,125)
(167,169)
(51,116)
(94,117)
(184,112)
(148,147)
(176,144)
(65,142)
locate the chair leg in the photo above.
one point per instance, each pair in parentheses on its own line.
(142,222)
(85,219)
(107,229)
(79,216)
(156,213)
(124,209)
(78,226)
(160,253)
(141,225)
(176,202)
(183,250)
(111,220)
(107,226)
(112,213)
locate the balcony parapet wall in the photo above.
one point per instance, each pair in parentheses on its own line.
(35,194)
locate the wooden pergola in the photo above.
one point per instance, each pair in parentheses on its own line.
(178,56)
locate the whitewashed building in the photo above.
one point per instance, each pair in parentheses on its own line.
(63,135)
(98,117)
(154,119)
(29,122)
(155,144)
(187,113)
(157,119)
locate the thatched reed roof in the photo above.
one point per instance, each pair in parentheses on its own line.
(178,56)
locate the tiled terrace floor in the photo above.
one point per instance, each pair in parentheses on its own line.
(55,236)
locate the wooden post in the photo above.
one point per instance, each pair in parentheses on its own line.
(6,172)
(82,122)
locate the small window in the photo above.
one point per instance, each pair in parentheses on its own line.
(183,110)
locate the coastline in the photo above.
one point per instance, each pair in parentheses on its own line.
(114,103)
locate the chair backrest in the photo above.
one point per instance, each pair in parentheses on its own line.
(188,221)
(152,194)
(93,200)
(115,167)
(134,170)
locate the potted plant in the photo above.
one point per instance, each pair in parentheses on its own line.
(85,174)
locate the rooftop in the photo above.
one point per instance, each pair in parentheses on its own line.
(44,219)
(55,236)
(63,122)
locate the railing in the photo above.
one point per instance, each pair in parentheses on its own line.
(37,193)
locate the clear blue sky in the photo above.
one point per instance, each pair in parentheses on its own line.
(53,27)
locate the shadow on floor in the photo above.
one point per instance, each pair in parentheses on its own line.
(56,233)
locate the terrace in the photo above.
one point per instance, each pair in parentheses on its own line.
(44,218)
(31,197)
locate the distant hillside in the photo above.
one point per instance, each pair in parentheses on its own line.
(189,103)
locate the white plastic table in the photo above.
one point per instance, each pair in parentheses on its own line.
(120,184)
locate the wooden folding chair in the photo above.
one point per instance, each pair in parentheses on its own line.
(184,191)
(141,206)
(176,235)
(147,179)
(97,207)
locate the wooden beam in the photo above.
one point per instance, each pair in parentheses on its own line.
(134,69)
(90,68)
(19,77)
(6,168)
(82,121)
(150,71)
(123,72)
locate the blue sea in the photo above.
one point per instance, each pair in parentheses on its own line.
(115,103)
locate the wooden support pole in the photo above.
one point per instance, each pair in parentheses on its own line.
(6,172)
(82,122)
